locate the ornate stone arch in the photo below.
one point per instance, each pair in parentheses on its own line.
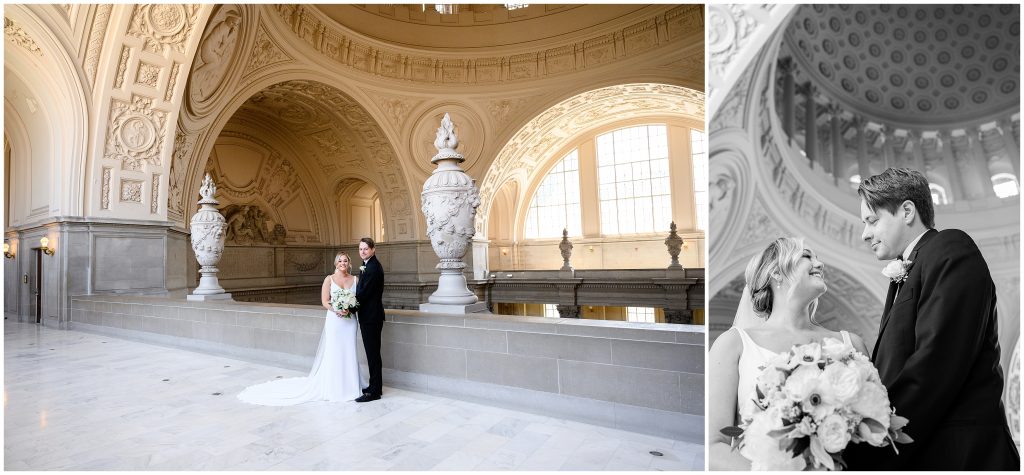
(58,93)
(552,129)
(381,158)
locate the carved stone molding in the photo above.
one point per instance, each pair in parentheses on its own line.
(641,37)
(549,130)
(264,53)
(154,201)
(17,35)
(135,134)
(122,66)
(183,146)
(172,81)
(105,189)
(503,110)
(96,36)
(131,190)
(396,108)
(163,26)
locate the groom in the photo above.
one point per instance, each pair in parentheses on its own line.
(937,350)
(369,292)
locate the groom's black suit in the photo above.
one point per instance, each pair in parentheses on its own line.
(938,354)
(369,293)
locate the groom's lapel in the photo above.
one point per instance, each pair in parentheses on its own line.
(885,316)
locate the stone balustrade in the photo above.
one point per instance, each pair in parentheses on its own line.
(640,377)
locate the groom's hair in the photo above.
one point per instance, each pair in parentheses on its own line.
(889,189)
(368,241)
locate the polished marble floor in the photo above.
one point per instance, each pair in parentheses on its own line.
(80,401)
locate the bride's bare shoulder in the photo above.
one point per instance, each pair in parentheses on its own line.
(728,345)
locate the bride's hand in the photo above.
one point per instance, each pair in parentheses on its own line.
(342,313)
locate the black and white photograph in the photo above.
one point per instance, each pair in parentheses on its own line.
(864,237)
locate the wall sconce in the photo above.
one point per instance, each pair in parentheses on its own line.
(504,251)
(7,250)
(686,245)
(44,243)
(590,248)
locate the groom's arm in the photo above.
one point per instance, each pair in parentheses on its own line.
(956,293)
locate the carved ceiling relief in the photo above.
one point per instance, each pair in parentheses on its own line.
(264,53)
(217,50)
(640,37)
(253,211)
(96,36)
(17,35)
(135,133)
(163,26)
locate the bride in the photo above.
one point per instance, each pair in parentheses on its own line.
(335,375)
(783,284)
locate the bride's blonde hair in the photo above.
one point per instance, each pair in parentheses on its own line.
(337,257)
(779,258)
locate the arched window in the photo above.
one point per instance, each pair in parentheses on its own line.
(699,153)
(938,194)
(633,179)
(556,204)
(1005,185)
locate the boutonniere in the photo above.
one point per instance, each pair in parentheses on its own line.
(897,270)
(362,268)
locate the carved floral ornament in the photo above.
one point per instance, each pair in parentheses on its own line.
(135,134)
(163,25)
(17,35)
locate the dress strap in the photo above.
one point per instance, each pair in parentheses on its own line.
(846,337)
(745,338)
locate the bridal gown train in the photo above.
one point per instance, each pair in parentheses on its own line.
(335,375)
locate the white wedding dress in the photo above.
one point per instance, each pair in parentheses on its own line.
(335,375)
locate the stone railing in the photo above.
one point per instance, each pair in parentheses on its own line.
(640,377)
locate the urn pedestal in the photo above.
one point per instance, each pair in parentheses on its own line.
(208,243)
(450,199)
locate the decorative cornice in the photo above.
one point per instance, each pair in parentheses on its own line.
(354,51)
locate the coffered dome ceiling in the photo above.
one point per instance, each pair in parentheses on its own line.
(479,26)
(912,64)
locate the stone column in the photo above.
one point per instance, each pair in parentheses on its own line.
(918,152)
(684,316)
(450,199)
(1012,151)
(948,159)
(568,311)
(837,143)
(810,126)
(888,158)
(981,164)
(208,243)
(863,167)
(788,67)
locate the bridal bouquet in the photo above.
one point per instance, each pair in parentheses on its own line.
(810,403)
(343,299)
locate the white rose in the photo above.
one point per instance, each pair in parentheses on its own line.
(836,349)
(872,402)
(764,451)
(770,378)
(843,381)
(833,433)
(807,354)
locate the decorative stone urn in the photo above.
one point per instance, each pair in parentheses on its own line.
(674,244)
(450,199)
(566,248)
(208,243)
